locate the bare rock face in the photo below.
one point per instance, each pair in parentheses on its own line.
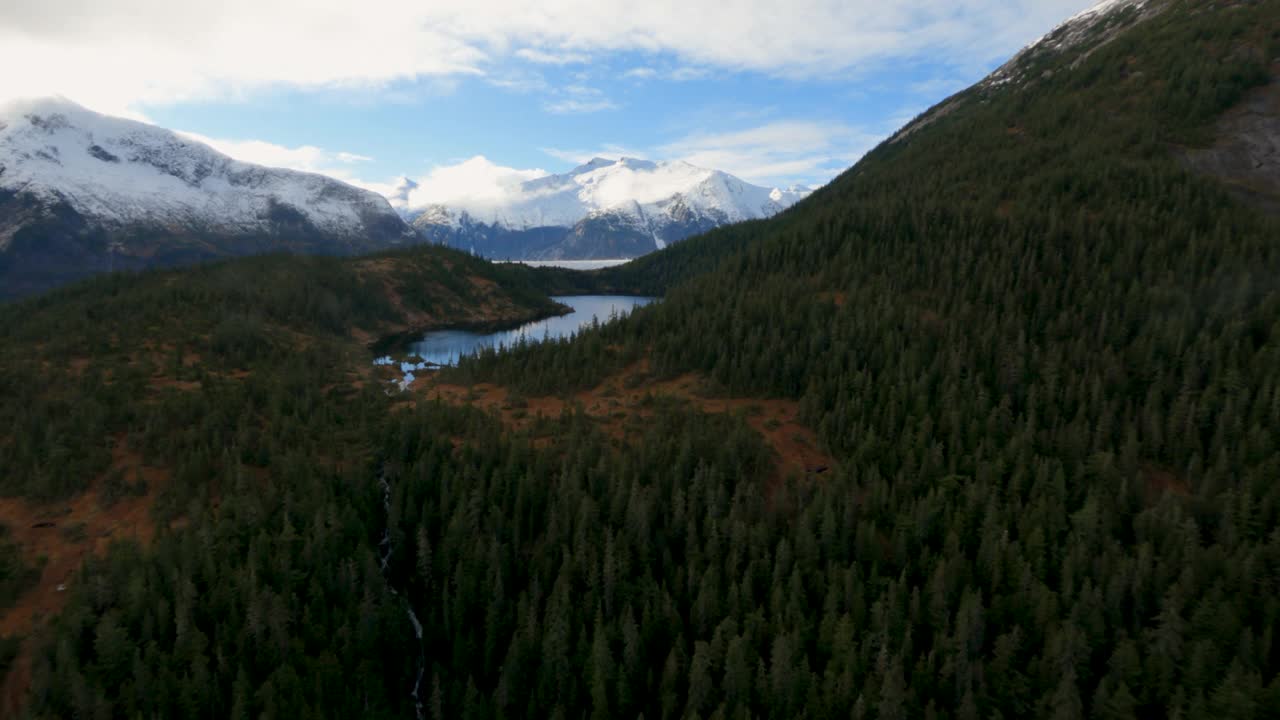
(1246,152)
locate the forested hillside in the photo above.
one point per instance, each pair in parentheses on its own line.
(1039,346)
(1044,353)
(143,399)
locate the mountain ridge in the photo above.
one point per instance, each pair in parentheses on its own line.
(602,209)
(82,192)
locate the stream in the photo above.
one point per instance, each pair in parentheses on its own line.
(385,548)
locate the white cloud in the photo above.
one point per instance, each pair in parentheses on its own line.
(778,153)
(474,182)
(518,81)
(685,74)
(114,55)
(640,73)
(569,106)
(578,99)
(307,158)
(540,57)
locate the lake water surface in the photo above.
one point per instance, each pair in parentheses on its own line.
(446,347)
(574,264)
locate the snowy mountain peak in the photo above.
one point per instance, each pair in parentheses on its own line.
(593,164)
(120,171)
(652,203)
(622,185)
(82,192)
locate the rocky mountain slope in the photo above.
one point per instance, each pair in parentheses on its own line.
(82,193)
(602,209)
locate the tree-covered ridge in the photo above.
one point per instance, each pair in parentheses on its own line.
(1042,352)
(201,352)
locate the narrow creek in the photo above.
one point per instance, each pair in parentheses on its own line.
(385,547)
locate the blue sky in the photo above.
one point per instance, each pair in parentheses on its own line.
(454,93)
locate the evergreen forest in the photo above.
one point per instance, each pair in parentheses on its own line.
(1041,349)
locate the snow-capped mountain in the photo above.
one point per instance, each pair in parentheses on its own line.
(81,193)
(602,209)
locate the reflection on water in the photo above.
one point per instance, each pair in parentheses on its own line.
(446,347)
